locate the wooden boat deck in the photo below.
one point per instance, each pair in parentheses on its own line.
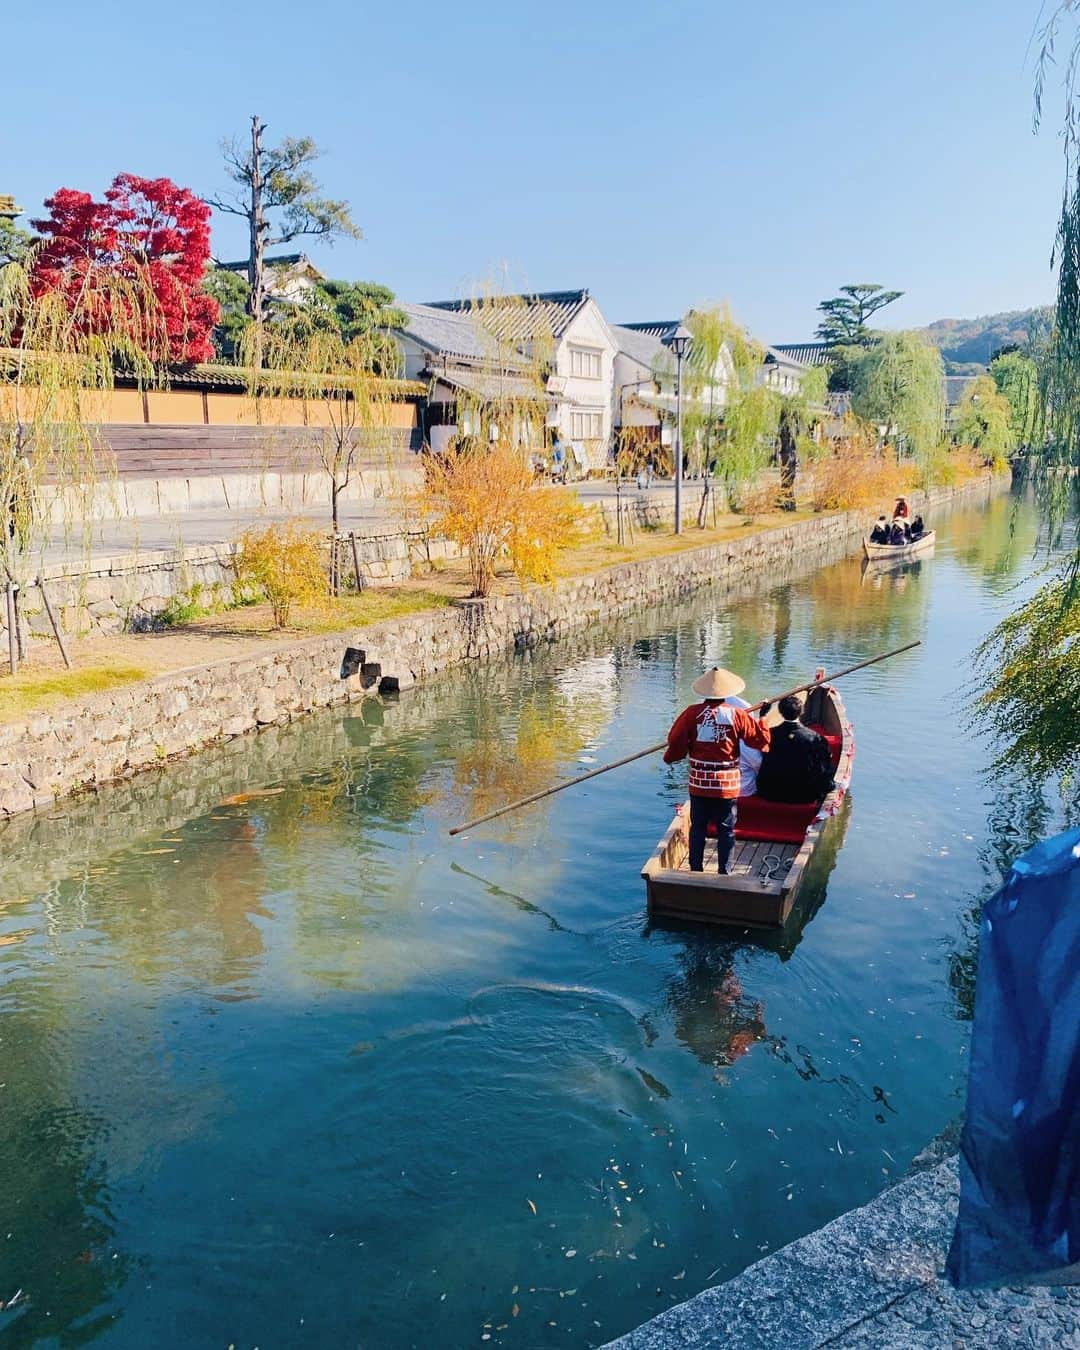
(760,863)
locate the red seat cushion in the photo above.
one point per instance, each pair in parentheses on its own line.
(834,742)
(775,822)
(779,822)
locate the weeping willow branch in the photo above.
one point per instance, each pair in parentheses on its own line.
(1028,669)
(59,354)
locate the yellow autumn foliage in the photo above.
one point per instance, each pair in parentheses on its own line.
(287,563)
(484,498)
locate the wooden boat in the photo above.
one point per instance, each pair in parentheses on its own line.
(774,843)
(893,552)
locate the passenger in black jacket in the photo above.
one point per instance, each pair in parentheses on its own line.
(797,767)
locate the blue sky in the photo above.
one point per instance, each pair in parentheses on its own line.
(661,155)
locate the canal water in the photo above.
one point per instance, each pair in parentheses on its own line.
(282,1065)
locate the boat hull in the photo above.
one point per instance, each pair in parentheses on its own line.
(897,552)
(767,874)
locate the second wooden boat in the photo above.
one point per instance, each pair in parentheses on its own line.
(775,842)
(897,552)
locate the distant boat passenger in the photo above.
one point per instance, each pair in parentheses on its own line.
(918,529)
(880,533)
(898,533)
(901,509)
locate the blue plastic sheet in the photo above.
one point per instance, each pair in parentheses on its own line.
(1019,1217)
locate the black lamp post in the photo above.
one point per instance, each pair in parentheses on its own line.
(678,343)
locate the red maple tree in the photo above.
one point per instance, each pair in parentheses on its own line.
(147,231)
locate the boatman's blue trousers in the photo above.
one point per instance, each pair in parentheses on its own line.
(703,812)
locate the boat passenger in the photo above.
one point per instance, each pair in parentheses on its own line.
(901,509)
(880,533)
(898,534)
(711,733)
(749,758)
(798,767)
(918,529)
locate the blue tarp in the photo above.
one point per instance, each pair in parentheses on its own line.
(1019,1218)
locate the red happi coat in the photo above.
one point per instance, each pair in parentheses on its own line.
(710,734)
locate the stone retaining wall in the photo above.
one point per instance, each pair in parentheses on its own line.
(105,737)
(131,591)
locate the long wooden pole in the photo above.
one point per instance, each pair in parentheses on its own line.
(52,620)
(652,749)
(13,641)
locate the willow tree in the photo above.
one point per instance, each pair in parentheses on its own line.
(1030,664)
(481,492)
(730,416)
(59,354)
(899,384)
(984,420)
(346,387)
(1016,376)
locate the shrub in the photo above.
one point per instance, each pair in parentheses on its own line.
(287,563)
(858,474)
(484,499)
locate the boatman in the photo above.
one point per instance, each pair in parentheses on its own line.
(711,733)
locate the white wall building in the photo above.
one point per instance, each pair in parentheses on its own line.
(289,276)
(644,392)
(461,344)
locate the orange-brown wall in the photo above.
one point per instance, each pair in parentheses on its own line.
(182,407)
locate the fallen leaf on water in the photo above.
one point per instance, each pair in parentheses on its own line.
(515,1311)
(153,852)
(531,1205)
(572,1251)
(681,1275)
(240,798)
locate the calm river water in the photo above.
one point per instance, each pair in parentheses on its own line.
(281,1065)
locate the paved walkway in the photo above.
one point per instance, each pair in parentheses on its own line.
(195,529)
(870,1280)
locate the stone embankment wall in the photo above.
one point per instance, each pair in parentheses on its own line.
(106,737)
(131,592)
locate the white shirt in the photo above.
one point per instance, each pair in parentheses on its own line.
(749,758)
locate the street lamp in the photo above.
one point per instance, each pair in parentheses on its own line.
(678,343)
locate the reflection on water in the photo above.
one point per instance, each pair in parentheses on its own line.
(282,1064)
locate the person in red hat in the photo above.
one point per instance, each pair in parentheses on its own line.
(710,733)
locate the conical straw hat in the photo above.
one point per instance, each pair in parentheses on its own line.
(718,683)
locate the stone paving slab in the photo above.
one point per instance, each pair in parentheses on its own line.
(871,1278)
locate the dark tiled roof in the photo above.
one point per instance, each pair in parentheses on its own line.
(639,345)
(439,331)
(661,329)
(517,318)
(775,356)
(956,387)
(808,353)
(490,384)
(278,260)
(233,379)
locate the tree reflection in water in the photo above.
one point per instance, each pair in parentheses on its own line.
(713,1014)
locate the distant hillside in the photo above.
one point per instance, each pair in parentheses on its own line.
(968,344)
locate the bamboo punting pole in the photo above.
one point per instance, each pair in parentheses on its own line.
(652,749)
(13,640)
(52,620)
